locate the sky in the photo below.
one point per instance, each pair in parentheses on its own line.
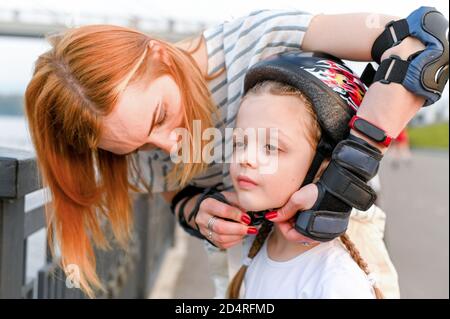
(220,10)
(17,55)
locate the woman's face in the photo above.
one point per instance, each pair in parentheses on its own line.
(291,158)
(144,117)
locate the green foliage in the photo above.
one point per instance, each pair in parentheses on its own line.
(430,136)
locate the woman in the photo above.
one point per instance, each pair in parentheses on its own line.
(102,93)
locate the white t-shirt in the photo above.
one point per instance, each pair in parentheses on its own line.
(326,271)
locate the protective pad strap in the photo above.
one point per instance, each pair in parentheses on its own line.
(323,151)
(322,225)
(368,74)
(360,159)
(393,69)
(347,187)
(393,34)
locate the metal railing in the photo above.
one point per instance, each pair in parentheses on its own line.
(125,274)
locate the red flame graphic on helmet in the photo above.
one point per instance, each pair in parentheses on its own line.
(341,80)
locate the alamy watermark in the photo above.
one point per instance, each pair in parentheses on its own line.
(252,145)
(72,276)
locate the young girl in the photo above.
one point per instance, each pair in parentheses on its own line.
(276,267)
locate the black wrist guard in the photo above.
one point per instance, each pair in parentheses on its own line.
(183,223)
(205,193)
(183,196)
(342,186)
(188,191)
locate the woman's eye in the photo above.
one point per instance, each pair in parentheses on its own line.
(162,117)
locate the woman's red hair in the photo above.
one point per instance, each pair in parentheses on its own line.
(74,84)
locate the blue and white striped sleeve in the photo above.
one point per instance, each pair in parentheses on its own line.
(261,34)
(252,38)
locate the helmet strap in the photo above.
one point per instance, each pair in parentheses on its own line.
(323,151)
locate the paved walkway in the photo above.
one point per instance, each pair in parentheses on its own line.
(416,201)
(415,198)
(184,273)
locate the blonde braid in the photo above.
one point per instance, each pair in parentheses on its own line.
(356,256)
(235,284)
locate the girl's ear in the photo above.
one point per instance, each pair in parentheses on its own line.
(159,52)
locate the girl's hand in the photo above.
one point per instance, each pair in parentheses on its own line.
(302,199)
(230,227)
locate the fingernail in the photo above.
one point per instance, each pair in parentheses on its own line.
(271,215)
(252,231)
(246,219)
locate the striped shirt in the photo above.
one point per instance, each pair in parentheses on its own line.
(235,46)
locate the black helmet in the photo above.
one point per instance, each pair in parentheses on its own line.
(334,89)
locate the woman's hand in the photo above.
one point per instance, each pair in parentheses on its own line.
(230,227)
(303,199)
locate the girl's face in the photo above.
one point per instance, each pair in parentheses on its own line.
(144,117)
(255,189)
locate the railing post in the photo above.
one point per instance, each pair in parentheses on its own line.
(132,278)
(141,213)
(11,247)
(17,178)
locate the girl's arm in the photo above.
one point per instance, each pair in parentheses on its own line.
(351,36)
(347,36)
(388,106)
